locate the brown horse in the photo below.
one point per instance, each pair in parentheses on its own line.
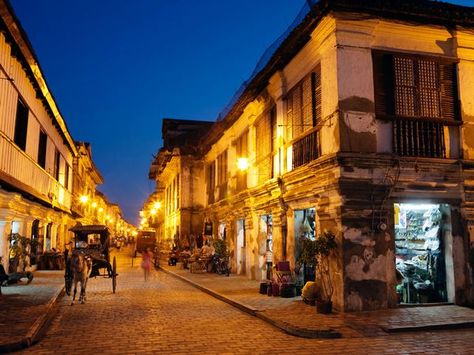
(81,267)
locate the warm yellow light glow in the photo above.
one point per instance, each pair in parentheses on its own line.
(142,213)
(157,205)
(111,220)
(94,204)
(100,210)
(134,233)
(153,211)
(242,163)
(84,198)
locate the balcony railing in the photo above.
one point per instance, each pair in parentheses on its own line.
(222,191)
(306,149)
(20,167)
(419,137)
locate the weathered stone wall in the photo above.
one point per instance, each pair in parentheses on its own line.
(370,185)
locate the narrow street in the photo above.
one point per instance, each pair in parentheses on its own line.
(165,315)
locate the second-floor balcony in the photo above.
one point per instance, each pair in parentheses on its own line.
(21,171)
(306,148)
(420,137)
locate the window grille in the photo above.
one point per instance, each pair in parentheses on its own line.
(420,95)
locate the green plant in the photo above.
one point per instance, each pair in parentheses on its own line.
(316,252)
(325,245)
(20,249)
(308,251)
(220,248)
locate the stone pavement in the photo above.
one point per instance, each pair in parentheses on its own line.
(25,309)
(297,318)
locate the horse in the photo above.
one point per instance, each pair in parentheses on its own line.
(81,267)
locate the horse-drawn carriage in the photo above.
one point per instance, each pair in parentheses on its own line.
(92,242)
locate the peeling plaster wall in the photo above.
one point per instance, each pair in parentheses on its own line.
(369,186)
(465,51)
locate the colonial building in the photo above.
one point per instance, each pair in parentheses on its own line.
(44,175)
(86,177)
(358,121)
(179,180)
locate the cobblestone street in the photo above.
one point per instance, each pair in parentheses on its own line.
(166,315)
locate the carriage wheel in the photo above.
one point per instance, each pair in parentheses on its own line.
(114,275)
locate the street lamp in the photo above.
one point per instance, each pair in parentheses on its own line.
(84,199)
(242,163)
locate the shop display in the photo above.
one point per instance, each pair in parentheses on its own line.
(419,253)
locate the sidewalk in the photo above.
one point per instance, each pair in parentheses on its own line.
(299,319)
(24,309)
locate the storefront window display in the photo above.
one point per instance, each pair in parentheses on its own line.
(420,244)
(305,227)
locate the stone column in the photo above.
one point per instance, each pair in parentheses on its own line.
(5,228)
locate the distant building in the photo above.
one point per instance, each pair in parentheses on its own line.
(86,177)
(359,122)
(179,180)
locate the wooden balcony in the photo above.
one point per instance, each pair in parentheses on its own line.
(22,172)
(222,191)
(306,148)
(419,137)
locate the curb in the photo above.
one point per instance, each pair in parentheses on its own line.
(428,327)
(298,332)
(38,326)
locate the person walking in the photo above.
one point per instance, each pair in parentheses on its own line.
(147,257)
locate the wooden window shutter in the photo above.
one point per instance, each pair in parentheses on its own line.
(383,83)
(317,98)
(264,146)
(307,104)
(297,112)
(289,115)
(449,91)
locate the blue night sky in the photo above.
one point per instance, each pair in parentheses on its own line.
(117,67)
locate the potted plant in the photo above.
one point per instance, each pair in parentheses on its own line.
(20,250)
(325,245)
(307,257)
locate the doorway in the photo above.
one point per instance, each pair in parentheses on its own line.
(305,228)
(240,247)
(35,243)
(423,253)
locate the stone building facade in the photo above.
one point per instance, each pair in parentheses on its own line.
(359,122)
(179,178)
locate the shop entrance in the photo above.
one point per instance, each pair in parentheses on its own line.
(305,227)
(424,261)
(240,249)
(266,245)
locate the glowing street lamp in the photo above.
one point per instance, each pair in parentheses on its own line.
(94,204)
(242,164)
(84,199)
(157,205)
